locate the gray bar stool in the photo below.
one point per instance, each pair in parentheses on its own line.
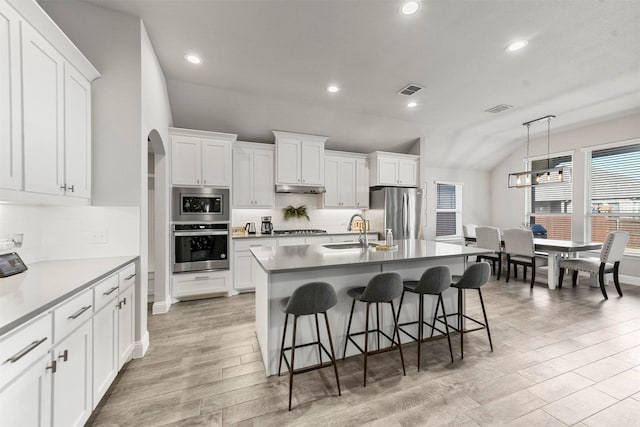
(474,277)
(382,288)
(310,298)
(432,282)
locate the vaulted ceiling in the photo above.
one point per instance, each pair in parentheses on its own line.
(267,64)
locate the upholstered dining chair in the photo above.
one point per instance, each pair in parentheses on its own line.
(469,232)
(518,244)
(609,261)
(489,238)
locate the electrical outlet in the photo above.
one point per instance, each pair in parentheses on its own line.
(98,236)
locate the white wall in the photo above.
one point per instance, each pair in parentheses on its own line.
(156,115)
(508,204)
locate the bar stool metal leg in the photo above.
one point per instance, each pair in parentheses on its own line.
(460,325)
(446,325)
(486,321)
(378,324)
(333,355)
(420,325)
(397,330)
(318,333)
(293,355)
(346,340)
(366,344)
(284,334)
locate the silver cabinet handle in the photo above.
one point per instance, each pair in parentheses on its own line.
(110,291)
(201,278)
(28,349)
(63,187)
(124,301)
(79,312)
(53,367)
(119,305)
(131,276)
(64,355)
(71,188)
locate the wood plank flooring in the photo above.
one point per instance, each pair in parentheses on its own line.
(562,357)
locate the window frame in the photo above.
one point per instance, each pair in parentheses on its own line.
(458,210)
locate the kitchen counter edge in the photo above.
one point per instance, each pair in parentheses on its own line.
(277,236)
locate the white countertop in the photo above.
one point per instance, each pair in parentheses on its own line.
(47,283)
(307,257)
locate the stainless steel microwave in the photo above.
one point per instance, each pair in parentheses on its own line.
(200,204)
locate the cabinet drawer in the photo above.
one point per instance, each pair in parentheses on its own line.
(104,291)
(127,276)
(199,285)
(72,314)
(19,349)
(245,245)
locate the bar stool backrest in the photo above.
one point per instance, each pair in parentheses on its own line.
(613,246)
(434,280)
(475,276)
(383,287)
(311,298)
(489,238)
(518,241)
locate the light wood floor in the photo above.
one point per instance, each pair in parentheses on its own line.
(563,357)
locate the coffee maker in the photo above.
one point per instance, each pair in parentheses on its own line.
(267,226)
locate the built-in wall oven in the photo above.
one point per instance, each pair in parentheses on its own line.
(198,247)
(200,229)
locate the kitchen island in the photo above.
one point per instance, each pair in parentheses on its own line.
(279,270)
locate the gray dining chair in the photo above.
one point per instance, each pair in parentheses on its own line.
(469,234)
(489,238)
(520,250)
(608,262)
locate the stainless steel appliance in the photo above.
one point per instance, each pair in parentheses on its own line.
(250,227)
(198,247)
(399,209)
(267,226)
(200,204)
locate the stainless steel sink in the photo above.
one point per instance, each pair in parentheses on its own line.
(354,245)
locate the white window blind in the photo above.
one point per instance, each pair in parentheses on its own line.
(615,193)
(551,204)
(448,209)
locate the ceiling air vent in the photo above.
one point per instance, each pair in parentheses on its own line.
(498,108)
(410,89)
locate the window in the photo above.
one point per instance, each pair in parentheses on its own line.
(614,190)
(448,209)
(551,204)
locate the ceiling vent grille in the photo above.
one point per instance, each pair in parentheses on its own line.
(410,89)
(498,108)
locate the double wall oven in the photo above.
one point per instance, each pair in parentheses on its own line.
(200,229)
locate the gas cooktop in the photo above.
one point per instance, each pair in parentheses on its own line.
(303,231)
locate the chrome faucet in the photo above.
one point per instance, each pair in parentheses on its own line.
(363,240)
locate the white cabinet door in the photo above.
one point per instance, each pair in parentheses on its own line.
(362,184)
(186,160)
(288,161)
(105,348)
(312,162)
(72,388)
(332,182)
(387,171)
(27,400)
(77,130)
(216,163)
(243,177)
(348,182)
(242,276)
(42,80)
(263,186)
(188,286)
(407,172)
(126,324)
(10,119)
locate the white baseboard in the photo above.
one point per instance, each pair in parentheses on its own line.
(629,280)
(141,346)
(160,307)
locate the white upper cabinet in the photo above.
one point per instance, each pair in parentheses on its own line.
(346,180)
(299,158)
(201,158)
(392,169)
(253,175)
(45,110)
(10,111)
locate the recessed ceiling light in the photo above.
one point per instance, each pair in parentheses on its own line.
(333,89)
(412,104)
(410,7)
(517,45)
(194,59)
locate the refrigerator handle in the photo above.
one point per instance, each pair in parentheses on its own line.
(404,216)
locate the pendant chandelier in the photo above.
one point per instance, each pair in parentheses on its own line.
(550,175)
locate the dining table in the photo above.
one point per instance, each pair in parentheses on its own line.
(556,250)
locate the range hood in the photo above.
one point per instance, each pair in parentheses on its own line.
(302,189)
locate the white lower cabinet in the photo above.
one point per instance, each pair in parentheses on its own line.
(72,390)
(27,400)
(202,284)
(242,271)
(126,322)
(105,348)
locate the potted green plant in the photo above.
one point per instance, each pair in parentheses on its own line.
(293,212)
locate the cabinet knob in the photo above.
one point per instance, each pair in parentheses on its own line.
(204,181)
(53,367)
(63,187)
(71,188)
(197,181)
(64,356)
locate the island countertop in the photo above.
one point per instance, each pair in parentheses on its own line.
(308,257)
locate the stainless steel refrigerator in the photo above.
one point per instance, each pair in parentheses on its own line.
(397,208)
